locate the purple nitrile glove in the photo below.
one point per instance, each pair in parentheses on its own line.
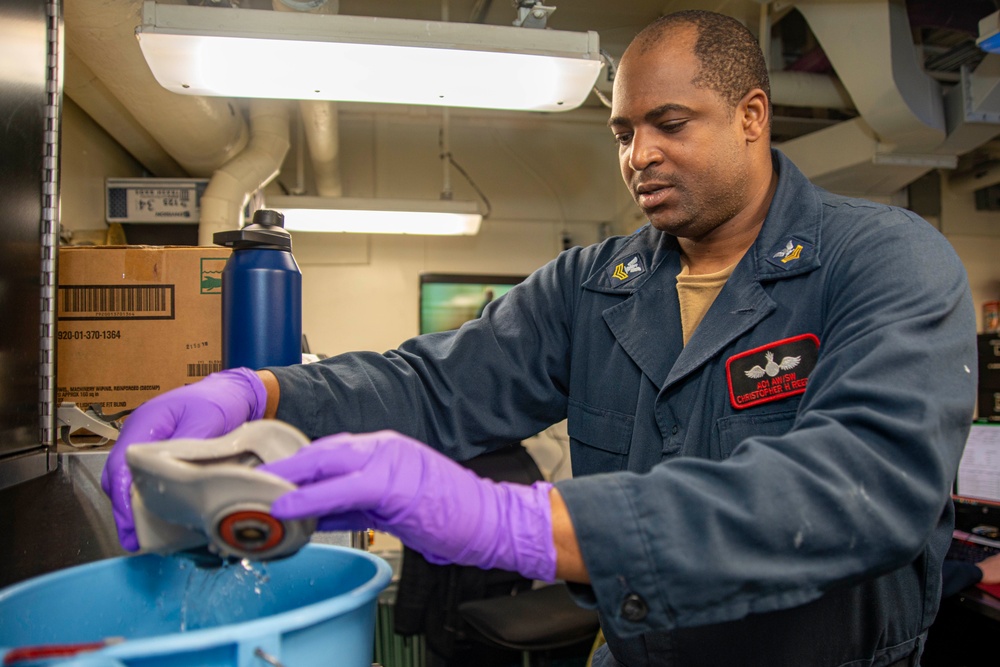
(208,408)
(388,481)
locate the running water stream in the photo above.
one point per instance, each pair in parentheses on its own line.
(234,592)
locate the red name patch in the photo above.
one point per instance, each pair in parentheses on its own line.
(771,372)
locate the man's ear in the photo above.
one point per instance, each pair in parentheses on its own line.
(754,111)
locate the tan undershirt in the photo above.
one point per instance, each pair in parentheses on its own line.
(696,295)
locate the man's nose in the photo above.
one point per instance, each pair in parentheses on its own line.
(644,151)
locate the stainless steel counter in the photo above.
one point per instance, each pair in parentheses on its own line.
(57,520)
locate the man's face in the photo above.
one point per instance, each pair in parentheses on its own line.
(681,148)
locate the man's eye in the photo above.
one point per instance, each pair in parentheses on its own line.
(622,138)
(673,126)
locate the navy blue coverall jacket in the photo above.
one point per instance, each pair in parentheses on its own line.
(776,492)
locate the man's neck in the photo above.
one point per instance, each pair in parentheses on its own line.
(730,241)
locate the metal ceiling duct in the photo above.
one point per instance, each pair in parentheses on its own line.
(870,45)
(905,128)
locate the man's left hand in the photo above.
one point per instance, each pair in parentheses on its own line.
(393,483)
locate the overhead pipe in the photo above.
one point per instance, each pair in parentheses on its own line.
(320,123)
(232,184)
(319,117)
(83,87)
(299,188)
(199,133)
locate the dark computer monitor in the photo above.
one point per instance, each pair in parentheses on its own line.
(449,300)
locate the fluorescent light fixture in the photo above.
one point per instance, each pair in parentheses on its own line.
(378,216)
(989,33)
(233,52)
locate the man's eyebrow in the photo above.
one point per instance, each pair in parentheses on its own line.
(652,114)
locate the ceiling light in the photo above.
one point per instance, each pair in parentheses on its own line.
(378,216)
(233,52)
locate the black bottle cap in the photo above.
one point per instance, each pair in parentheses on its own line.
(267,231)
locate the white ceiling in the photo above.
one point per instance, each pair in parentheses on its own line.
(940,31)
(615,21)
(911,45)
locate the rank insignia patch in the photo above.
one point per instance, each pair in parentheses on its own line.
(771,372)
(623,271)
(787,253)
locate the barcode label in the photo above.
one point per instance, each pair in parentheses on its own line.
(116,302)
(202,369)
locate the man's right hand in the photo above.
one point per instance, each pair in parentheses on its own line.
(990,568)
(209,408)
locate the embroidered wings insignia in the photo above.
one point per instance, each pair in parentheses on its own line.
(786,252)
(772,367)
(788,363)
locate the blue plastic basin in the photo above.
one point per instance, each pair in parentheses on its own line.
(317,607)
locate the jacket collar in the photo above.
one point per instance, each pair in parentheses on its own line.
(635,263)
(790,232)
(788,243)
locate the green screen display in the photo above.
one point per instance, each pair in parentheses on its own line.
(448,301)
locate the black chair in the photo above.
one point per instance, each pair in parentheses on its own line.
(485,617)
(540,620)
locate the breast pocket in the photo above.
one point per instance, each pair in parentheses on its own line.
(734,430)
(599,439)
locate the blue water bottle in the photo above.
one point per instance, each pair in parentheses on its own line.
(261,295)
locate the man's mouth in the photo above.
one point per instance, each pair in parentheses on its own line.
(651,195)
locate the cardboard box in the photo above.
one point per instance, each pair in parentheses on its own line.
(989,361)
(136,321)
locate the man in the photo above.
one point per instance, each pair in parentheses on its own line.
(767,391)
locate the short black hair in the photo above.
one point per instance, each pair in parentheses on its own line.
(730,59)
